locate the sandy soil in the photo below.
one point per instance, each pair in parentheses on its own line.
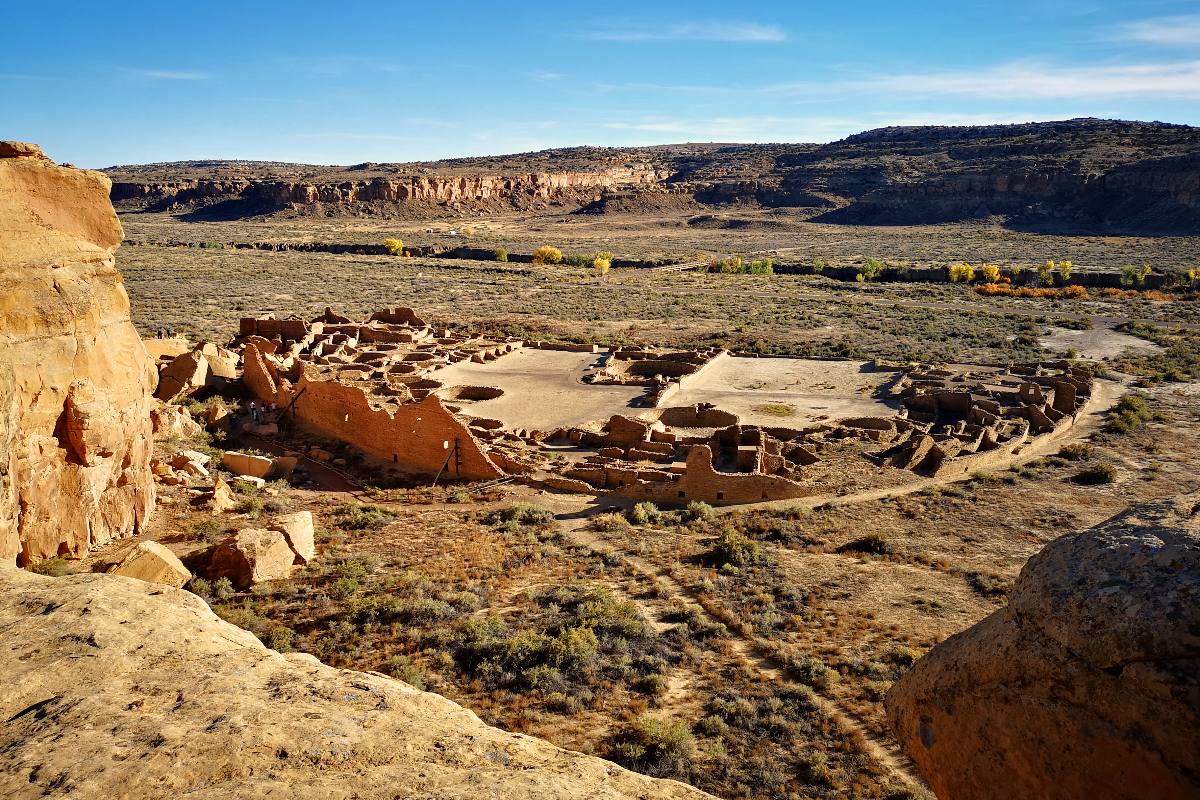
(793,391)
(542,390)
(1097,344)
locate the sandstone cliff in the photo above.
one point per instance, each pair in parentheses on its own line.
(118,688)
(1080,174)
(75,434)
(1086,685)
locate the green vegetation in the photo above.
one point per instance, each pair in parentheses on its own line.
(501,254)
(352,517)
(1135,276)
(871,270)
(1129,414)
(734,548)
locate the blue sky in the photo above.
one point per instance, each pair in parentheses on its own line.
(337,83)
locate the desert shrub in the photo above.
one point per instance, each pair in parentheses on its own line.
(276,505)
(459,496)
(199,587)
(762,266)
(402,668)
(394,246)
(251,505)
(699,510)
(55,567)
(818,265)
(501,255)
(732,547)
(209,530)
(280,638)
(222,589)
(656,747)
(602,266)
(991,273)
(610,522)
(1096,474)
(523,514)
(961,273)
(1064,269)
(644,513)
(1077,451)
(344,587)
(350,517)
(874,543)
(547,255)
(1129,413)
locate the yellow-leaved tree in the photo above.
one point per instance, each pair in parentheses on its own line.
(394,246)
(547,255)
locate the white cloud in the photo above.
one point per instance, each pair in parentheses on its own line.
(1181,30)
(167,74)
(1035,81)
(543,75)
(690,32)
(745,128)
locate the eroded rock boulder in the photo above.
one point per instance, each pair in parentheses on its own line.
(185,376)
(152,562)
(1086,685)
(300,533)
(196,707)
(173,421)
(250,556)
(75,381)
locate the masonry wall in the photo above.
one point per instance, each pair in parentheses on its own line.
(415,436)
(702,482)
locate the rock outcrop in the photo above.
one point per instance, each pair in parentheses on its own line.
(252,555)
(117,688)
(1086,685)
(75,381)
(152,562)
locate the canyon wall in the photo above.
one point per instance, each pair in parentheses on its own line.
(75,382)
(1086,685)
(265,195)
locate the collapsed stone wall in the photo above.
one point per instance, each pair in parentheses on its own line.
(75,380)
(419,436)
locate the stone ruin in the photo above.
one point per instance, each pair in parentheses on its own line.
(374,385)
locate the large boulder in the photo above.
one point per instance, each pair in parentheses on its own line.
(185,376)
(75,382)
(300,533)
(246,464)
(171,421)
(119,689)
(250,556)
(1086,685)
(152,562)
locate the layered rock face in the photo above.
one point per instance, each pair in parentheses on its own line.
(273,195)
(75,383)
(1086,685)
(118,688)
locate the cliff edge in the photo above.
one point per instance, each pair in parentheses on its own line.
(118,688)
(75,390)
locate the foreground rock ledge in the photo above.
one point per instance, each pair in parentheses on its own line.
(1086,686)
(118,688)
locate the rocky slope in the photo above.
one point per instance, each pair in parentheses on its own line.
(75,383)
(1086,685)
(118,688)
(1072,175)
